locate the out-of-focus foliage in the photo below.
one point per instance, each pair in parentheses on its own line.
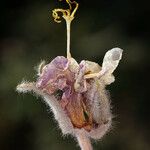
(29,35)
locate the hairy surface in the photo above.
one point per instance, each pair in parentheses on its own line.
(76,92)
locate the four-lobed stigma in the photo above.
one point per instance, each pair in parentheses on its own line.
(67,14)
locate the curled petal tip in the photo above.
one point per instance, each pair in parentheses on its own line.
(110,63)
(114,54)
(117,54)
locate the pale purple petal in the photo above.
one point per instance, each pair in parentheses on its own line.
(52,70)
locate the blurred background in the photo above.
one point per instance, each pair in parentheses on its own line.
(28,35)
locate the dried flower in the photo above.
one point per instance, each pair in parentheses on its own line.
(76,92)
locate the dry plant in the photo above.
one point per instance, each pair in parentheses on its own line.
(74,91)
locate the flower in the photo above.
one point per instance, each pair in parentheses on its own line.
(75,91)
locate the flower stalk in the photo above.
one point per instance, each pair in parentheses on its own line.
(84,141)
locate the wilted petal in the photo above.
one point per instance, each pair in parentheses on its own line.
(60,62)
(78,102)
(111,60)
(110,63)
(80,83)
(51,71)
